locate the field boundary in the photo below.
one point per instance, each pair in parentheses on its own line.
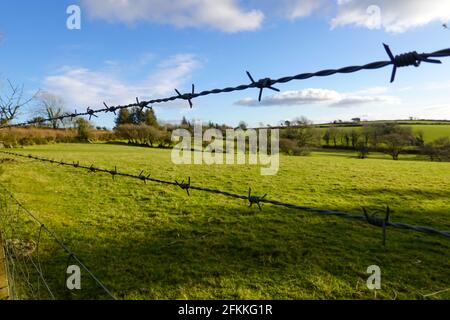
(4,283)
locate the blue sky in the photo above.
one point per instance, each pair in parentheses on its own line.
(147,48)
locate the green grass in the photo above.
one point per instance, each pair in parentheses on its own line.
(154,242)
(430,131)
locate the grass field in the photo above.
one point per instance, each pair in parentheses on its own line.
(430,131)
(154,242)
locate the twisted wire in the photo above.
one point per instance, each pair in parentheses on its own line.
(373,220)
(397,61)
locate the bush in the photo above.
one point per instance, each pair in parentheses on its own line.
(14,137)
(291,148)
(84,129)
(438,150)
(143,134)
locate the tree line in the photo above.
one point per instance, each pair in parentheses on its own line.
(141,126)
(301,136)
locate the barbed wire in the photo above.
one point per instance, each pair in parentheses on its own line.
(373,218)
(36,265)
(397,61)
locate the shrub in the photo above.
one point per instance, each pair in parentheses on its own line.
(438,150)
(291,147)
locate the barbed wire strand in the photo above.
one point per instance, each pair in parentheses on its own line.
(59,242)
(372,219)
(397,61)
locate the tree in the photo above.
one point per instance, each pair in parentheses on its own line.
(420,139)
(150,118)
(51,106)
(123,117)
(334,134)
(84,129)
(305,135)
(242,125)
(185,122)
(11,102)
(397,139)
(327,137)
(346,137)
(362,148)
(137,116)
(354,137)
(438,150)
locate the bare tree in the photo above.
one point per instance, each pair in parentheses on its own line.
(11,102)
(51,106)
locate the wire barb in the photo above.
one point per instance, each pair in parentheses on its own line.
(406,59)
(91,113)
(114,173)
(110,109)
(255,200)
(143,178)
(262,84)
(187,96)
(185,186)
(375,220)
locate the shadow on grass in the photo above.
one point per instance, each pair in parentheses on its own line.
(414,192)
(245,254)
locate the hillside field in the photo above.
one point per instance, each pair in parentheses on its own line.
(154,242)
(430,131)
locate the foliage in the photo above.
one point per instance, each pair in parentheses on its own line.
(438,150)
(84,129)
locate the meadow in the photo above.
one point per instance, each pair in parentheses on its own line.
(150,241)
(430,131)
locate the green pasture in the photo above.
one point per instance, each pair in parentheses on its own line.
(151,241)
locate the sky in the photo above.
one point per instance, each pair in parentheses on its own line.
(146,48)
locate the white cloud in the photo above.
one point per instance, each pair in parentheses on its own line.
(372,90)
(84,87)
(294,9)
(394,16)
(224,15)
(318,96)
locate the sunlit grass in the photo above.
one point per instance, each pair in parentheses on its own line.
(154,242)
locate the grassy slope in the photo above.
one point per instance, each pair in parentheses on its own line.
(154,242)
(431,132)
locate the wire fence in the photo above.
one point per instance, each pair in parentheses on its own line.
(397,61)
(376,218)
(29,242)
(37,259)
